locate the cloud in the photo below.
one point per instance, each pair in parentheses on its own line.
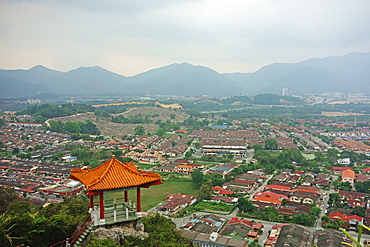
(130,37)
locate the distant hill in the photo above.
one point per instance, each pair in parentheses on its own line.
(16,88)
(347,73)
(86,80)
(183,79)
(34,75)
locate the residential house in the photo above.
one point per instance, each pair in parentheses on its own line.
(353,220)
(240,185)
(241,228)
(307,181)
(265,199)
(330,238)
(206,223)
(213,239)
(287,210)
(185,169)
(305,197)
(176,202)
(293,179)
(339,169)
(353,199)
(272,195)
(321,183)
(287,235)
(344,161)
(348,176)
(278,187)
(362,177)
(282,177)
(225,199)
(366,170)
(323,176)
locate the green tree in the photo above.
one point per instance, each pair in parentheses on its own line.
(56,126)
(72,127)
(6,238)
(319,156)
(316,211)
(7,196)
(139,130)
(271,144)
(360,211)
(325,218)
(363,186)
(160,132)
(107,242)
(284,202)
(246,205)
(254,244)
(205,192)
(332,154)
(345,186)
(188,154)
(197,177)
(257,147)
(334,199)
(270,214)
(162,232)
(304,219)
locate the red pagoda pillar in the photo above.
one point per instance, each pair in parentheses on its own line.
(126,195)
(101,203)
(91,197)
(138,199)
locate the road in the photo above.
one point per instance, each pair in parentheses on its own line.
(260,188)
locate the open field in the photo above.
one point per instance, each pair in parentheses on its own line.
(5,154)
(341,114)
(309,156)
(146,166)
(150,197)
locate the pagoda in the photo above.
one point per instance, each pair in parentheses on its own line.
(110,177)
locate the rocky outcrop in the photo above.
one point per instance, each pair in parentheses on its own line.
(117,233)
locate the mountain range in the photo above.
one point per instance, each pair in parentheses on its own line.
(349,73)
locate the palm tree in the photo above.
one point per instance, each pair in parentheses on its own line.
(5,228)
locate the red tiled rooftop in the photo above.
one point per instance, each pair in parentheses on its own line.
(344,217)
(348,173)
(278,187)
(340,168)
(305,190)
(267,200)
(226,192)
(113,174)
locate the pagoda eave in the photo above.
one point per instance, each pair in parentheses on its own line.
(151,184)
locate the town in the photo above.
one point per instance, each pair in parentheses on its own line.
(272,183)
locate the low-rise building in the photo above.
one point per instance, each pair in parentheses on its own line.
(176,202)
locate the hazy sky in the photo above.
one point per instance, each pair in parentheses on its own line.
(131,37)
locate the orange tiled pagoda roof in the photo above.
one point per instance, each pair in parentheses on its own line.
(113,174)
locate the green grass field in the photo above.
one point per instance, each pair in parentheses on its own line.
(5,154)
(150,197)
(309,156)
(146,166)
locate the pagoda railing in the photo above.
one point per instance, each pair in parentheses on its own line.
(115,210)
